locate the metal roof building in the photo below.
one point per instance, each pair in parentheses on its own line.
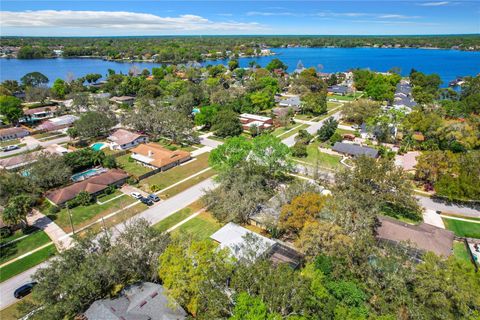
(354,150)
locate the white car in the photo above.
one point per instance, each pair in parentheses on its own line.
(10,148)
(136,195)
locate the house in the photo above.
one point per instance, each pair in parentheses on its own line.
(13,133)
(250,120)
(142,301)
(422,238)
(21,160)
(338,90)
(123,139)
(155,156)
(123,100)
(57,123)
(292,102)
(403,99)
(245,244)
(38,114)
(93,185)
(354,150)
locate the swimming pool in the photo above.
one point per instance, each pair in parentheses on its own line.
(98,146)
(87,174)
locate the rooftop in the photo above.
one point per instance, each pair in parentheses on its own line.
(254,117)
(122,136)
(14,130)
(158,156)
(354,150)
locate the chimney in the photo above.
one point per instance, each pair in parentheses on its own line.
(150,153)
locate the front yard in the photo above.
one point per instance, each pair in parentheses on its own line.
(11,250)
(324,160)
(201,227)
(463,228)
(131,166)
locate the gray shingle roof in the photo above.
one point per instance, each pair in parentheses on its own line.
(354,150)
(142,301)
(338,89)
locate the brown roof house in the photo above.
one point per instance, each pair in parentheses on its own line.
(423,237)
(13,133)
(123,139)
(93,185)
(155,156)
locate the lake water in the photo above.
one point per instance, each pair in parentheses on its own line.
(447,63)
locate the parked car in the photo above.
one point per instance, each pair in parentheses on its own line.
(146,201)
(136,195)
(24,290)
(10,148)
(153,197)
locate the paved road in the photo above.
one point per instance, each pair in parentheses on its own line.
(33,143)
(290,141)
(443,206)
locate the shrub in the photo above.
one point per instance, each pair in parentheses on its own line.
(53,210)
(5,232)
(154,188)
(299,150)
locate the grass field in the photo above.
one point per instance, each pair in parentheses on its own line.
(324,159)
(107,197)
(178,216)
(133,167)
(201,227)
(10,142)
(460,251)
(164,179)
(83,215)
(26,263)
(463,228)
(187,184)
(283,133)
(11,312)
(349,97)
(22,246)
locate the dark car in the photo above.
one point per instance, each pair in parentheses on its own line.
(153,197)
(146,201)
(24,290)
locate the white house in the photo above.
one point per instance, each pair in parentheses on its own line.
(123,139)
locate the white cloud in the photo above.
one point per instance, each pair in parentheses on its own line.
(268,14)
(397,16)
(119,20)
(434,4)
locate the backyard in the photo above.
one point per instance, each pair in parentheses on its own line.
(463,228)
(460,251)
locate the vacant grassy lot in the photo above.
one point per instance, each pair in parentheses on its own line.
(463,228)
(201,227)
(324,159)
(26,263)
(83,215)
(22,246)
(132,167)
(164,179)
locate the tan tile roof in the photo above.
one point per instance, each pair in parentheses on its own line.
(91,185)
(424,236)
(122,136)
(41,109)
(161,156)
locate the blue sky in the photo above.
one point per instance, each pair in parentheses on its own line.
(129,18)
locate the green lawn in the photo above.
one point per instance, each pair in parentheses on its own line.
(26,263)
(132,167)
(279,132)
(11,312)
(9,142)
(349,97)
(83,215)
(463,228)
(22,246)
(164,179)
(201,227)
(324,159)
(172,220)
(107,197)
(460,251)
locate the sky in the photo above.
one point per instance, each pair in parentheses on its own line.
(227,17)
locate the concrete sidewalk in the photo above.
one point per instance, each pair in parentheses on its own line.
(431,217)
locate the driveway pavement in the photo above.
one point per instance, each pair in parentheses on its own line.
(61,239)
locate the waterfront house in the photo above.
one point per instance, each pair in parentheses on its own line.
(123,139)
(157,157)
(13,133)
(94,185)
(142,301)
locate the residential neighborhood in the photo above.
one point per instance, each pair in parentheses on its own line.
(234,190)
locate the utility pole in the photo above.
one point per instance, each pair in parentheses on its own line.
(70,217)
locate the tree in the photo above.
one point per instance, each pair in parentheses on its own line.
(11,108)
(269,153)
(34,79)
(83,158)
(94,124)
(14,184)
(276,64)
(233,64)
(229,154)
(328,129)
(227,124)
(206,116)
(59,88)
(448,288)
(188,268)
(261,100)
(95,268)
(93,77)
(359,111)
(49,171)
(299,150)
(303,209)
(314,103)
(383,183)
(253,308)
(17,209)
(37,94)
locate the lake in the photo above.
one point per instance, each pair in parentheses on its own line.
(447,63)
